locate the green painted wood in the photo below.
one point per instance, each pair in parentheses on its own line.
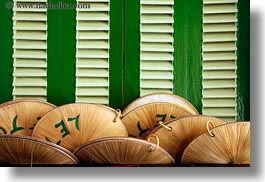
(194,63)
(61,54)
(68,52)
(243,62)
(187,47)
(116,54)
(6,51)
(132,51)
(181,38)
(54,55)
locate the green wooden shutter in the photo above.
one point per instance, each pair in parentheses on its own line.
(156,50)
(92,67)
(220,58)
(30,51)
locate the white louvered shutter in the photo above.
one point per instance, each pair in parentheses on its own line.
(30,50)
(220,58)
(156,54)
(92,67)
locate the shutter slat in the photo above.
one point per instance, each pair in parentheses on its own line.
(90,91)
(157,47)
(93,16)
(25,72)
(156,56)
(220,27)
(219,18)
(157,84)
(156,28)
(220,8)
(153,2)
(92,82)
(91,35)
(30,35)
(151,18)
(219,1)
(219,84)
(219,65)
(30,1)
(30,63)
(90,25)
(28,44)
(219,47)
(220,112)
(29,16)
(154,9)
(219,37)
(30,54)
(92,65)
(94,44)
(219,75)
(149,65)
(219,103)
(92,73)
(157,37)
(149,75)
(29,25)
(92,53)
(145,91)
(29,91)
(219,93)
(95,7)
(215,56)
(97,100)
(29,82)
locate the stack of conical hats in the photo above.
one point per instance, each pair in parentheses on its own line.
(184,134)
(158,129)
(17,146)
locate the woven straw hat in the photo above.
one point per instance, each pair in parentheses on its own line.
(75,124)
(160,97)
(20,118)
(25,150)
(140,121)
(25,100)
(123,151)
(225,144)
(176,134)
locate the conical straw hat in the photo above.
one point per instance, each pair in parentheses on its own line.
(140,121)
(160,97)
(74,124)
(225,144)
(25,100)
(21,117)
(25,150)
(123,151)
(176,134)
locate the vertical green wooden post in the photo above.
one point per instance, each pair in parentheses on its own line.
(132,51)
(6,51)
(68,54)
(116,54)
(61,54)
(187,55)
(243,62)
(181,43)
(194,54)
(54,55)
